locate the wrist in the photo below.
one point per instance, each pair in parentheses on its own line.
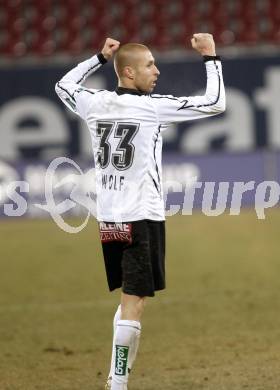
(102,58)
(211,58)
(208,53)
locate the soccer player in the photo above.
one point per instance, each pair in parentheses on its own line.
(126,127)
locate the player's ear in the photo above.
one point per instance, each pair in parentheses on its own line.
(128,72)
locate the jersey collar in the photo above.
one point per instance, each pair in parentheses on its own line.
(131,91)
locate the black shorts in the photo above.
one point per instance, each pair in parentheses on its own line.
(134,255)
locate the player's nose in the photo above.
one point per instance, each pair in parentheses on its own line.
(157,72)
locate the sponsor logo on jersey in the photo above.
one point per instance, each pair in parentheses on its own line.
(121,360)
(115,232)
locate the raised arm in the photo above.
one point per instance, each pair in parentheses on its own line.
(172,109)
(70,89)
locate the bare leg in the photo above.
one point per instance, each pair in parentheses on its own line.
(132,307)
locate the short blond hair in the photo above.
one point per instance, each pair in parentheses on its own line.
(128,55)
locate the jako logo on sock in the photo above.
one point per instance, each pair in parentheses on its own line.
(121,359)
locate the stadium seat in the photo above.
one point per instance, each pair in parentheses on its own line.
(46,27)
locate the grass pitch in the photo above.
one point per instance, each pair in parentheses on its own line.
(216,327)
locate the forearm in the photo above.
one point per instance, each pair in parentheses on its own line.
(215,91)
(70,84)
(70,89)
(172,109)
(79,74)
(213,101)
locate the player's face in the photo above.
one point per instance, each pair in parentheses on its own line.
(146,72)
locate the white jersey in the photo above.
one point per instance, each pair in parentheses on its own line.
(125,127)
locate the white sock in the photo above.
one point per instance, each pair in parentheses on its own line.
(134,349)
(126,344)
(117,317)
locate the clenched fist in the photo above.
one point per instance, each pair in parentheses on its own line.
(110,47)
(204,44)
